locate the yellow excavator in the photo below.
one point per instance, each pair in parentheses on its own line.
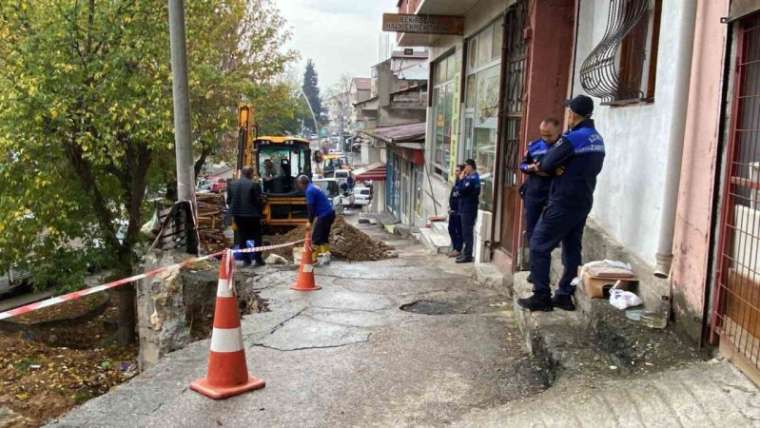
(277,161)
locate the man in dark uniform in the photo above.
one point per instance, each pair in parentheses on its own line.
(535,189)
(244,200)
(455,221)
(574,161)
(469,198)
(321,215)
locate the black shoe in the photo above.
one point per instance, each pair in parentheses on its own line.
(462,259)
(536,302)
(563,301)
(530,278)
(260,263)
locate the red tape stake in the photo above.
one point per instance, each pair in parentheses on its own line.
(98,288)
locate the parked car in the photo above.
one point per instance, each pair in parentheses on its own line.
(204,185)
(362,195)
(13,280)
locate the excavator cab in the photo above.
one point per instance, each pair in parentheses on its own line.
(277,161)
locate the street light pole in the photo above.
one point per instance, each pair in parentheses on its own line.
(313,116)
(182,131)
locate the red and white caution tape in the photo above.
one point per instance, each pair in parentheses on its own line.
(98,288)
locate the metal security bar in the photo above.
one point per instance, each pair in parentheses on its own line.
(600,76)
(736,310)
(514,103)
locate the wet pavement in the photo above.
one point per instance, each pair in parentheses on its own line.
(347,355)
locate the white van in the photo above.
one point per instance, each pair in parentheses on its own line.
(362,195)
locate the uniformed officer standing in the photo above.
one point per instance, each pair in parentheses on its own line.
(469,198)
(455,222)
(575,161)
(535,189)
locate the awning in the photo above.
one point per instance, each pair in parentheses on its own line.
(399,133)
(373,172)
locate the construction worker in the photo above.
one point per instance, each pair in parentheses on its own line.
(535,189)
(321,216)
(574,161)
(469,199)
(455,220)
(245,202)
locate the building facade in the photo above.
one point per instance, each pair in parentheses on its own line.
(676,88)
(389,132)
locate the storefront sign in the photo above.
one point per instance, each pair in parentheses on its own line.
(424,24)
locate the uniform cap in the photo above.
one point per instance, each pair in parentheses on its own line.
(581,105)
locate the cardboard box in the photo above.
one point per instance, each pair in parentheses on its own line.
(594,286)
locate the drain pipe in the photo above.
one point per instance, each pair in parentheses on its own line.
(686,36)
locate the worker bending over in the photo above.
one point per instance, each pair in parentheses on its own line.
(321,216)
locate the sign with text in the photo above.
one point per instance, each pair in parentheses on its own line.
(424,24)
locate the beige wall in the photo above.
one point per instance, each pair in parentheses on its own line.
(691,246)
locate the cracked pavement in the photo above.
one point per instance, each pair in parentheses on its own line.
(348,356)
(345,355)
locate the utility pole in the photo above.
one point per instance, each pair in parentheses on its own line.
(182,133)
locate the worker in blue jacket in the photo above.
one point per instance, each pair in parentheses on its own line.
(469,198)
(321,215)
(455,220)
(535,189)
(574,161)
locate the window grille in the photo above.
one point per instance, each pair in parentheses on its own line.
(602,74)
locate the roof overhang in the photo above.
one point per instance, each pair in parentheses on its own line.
(398,134)
(373,172)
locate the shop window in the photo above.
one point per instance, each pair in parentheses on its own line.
(445,74)
(482,105)
(622,68)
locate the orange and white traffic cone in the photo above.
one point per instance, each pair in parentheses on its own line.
(305,278)
(227,370)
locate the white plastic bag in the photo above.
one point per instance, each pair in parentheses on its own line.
(622,299)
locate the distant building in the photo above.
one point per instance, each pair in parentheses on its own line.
(390,130)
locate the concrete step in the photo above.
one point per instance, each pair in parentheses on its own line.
(436,242)
(597,336)
(489,276)
(441,227)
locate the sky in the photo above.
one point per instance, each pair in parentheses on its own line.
(340,36)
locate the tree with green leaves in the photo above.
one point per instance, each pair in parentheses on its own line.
(86,121)
(311,91)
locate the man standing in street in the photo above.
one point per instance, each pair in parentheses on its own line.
(574,161)
(321,215)
(455,220)
(469,199)
(535,189)
(245,204)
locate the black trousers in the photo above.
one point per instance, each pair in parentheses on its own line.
(468,219)
(320,233)
(455,231)
(533,209)
(249,229)
(557,226)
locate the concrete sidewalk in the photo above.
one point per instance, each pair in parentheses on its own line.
(347,355)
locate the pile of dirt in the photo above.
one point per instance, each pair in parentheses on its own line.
(62,357)
(346,242)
